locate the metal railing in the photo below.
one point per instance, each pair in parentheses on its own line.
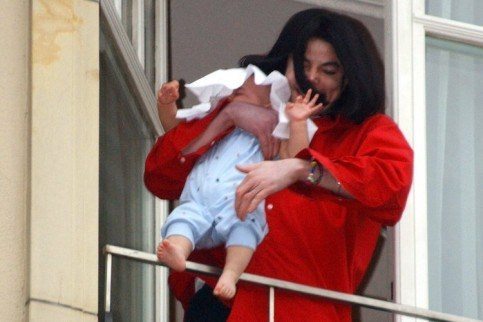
(273,284)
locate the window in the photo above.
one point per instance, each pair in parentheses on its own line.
(130,216)
(469,11)
(126,208)
(454,74)
(437,84)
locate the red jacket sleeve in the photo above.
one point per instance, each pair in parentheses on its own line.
(378,175)
(166,169)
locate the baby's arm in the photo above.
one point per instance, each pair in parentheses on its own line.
(298,113)
(283,152)
(168,94)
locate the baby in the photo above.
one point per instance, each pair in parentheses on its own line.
(206,216)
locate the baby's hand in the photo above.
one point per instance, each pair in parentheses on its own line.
(168,93)
(303,107)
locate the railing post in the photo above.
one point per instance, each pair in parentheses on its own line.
(271,305)
(107,309)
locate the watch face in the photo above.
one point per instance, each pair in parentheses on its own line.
(315,174)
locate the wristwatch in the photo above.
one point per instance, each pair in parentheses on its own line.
(316,172)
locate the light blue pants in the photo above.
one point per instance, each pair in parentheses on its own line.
(206,215)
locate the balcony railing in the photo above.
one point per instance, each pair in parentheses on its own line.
(147,103)
(273,284)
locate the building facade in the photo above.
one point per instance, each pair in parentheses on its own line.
(77,121)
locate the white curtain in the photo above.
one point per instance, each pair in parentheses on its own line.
(454,86)
(469,11)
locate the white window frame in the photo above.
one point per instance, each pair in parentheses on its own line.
(409,27)
(161,207)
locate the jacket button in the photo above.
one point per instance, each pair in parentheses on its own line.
(182,160)
(270,206)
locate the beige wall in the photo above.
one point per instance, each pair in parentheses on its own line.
(64,160)
(14,17)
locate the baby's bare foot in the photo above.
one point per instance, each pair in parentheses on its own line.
(225,288)
(171,255)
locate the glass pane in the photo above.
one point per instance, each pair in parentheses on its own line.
(129,16)
(454,78)
(126,208)
(469,11)
(150,41)
(124,9)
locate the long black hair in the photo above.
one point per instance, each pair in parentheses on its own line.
(363,93)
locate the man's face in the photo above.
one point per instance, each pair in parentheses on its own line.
(322,69)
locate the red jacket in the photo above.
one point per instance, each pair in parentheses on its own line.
(315,237)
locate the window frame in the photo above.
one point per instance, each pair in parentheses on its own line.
(132,13)
(410,25)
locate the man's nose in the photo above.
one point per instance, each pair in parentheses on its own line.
(313,76)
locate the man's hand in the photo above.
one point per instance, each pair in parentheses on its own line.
(265,178)
(259,121)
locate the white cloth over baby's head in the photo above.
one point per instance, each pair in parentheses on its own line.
(219,84)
